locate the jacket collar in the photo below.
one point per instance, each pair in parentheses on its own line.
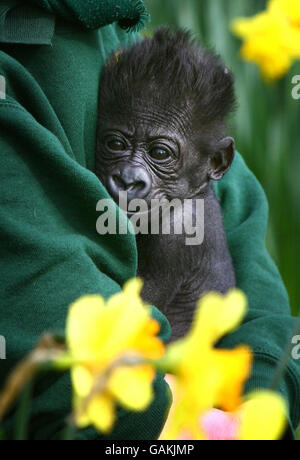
(25,24)
(34,23)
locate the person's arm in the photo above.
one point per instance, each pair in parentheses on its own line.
(50,252)
(269,324)
(50,255)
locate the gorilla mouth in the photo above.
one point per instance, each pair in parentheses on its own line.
(123,187)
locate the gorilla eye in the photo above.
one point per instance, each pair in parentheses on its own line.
(115,145)
(159,153)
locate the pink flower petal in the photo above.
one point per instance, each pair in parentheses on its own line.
(220,426)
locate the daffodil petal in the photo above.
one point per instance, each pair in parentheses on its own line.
(112,328)
(242,27)
(133,386)
(84,325)
(234,367)
(133,287)
(233,311)
(130,317)
(82,381)
(101,412)
(263,417)
(219,315)
(82,419)
(291,8)
(147,343)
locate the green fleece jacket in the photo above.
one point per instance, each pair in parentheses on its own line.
(51,54)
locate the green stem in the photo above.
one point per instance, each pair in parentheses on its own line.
(23,414)
(69,434)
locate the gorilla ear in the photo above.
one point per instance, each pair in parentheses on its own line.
(222,160)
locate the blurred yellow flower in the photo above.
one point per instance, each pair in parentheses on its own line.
(207,377)
(104,339)
(290,8)
(271,38)
(262,417)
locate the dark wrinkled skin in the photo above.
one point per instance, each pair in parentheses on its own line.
(175,275)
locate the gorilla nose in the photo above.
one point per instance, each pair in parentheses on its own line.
(135,181)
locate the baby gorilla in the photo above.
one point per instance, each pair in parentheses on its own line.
(162,109)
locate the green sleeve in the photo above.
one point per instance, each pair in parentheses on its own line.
(269,324)
(50,252)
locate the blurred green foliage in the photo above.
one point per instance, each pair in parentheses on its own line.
(266,126)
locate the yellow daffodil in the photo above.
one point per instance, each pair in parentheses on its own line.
(262,417)
(207,377)
(271,38)
(289,8)
(109,343)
